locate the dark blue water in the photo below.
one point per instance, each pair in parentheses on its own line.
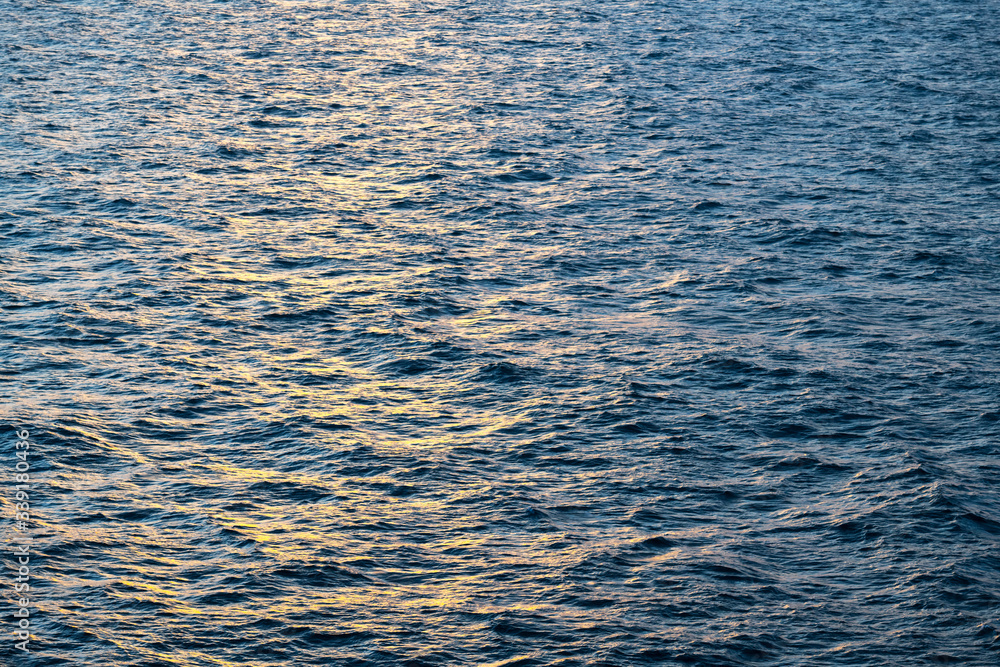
(599,333)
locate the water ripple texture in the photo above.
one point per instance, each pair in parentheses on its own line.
(593,333)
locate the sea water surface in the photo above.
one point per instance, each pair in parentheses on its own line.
(481,332)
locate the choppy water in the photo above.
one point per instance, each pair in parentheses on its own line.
(471,332)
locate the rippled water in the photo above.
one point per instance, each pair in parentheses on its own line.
(470,332)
